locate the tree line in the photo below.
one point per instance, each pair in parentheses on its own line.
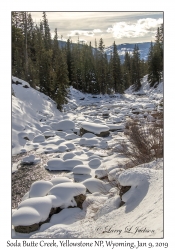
(38,59)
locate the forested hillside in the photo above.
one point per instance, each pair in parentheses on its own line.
(38,59)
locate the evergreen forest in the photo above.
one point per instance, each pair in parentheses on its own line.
(38,59)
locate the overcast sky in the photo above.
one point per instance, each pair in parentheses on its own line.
(121,27)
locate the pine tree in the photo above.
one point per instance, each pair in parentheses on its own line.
(116,70)
(155,59)
(135,69)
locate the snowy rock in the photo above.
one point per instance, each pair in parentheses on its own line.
(71,137)
(63,125)
(113,174)
(114,127)
(66,191)
(62,148)
(70,146)
(81,169)
(98,129)
(89,142)
(94,163)
(55,164)
(39,138)
(88,135)
(59,164)
(42,204)
(30,160)
(67,156)
(110,205)
(59,180)
(100,173)
(40,188)
(25,216)
(95,185)
(48,134)
(71,163)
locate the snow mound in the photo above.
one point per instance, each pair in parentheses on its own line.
(94,128)
(59,164)
(25,216)
(40,188)
(30,160)
(32,211)
(95,185)
(63,125)
(59,180)
(67,191)
(89,136)
(94,163)
(81,169)
(39,138)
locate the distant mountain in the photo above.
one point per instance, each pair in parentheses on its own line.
(122,48)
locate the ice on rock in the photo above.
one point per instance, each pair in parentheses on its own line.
(63,125)
(59,180)
(94,127)
(40,188)
(81,169)
(25,216)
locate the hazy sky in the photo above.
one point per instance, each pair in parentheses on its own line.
(123,27)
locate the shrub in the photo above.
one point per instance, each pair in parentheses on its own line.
(144,141)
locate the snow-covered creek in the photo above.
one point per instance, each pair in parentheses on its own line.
(59,156)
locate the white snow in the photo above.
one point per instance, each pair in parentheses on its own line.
(94,127)
(40,188)
(81,169)
(34,117)
(63,125)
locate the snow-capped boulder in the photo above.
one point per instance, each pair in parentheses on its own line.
(40,188)
(63,125)
(81,169)
(59,180)
(29,160)
(94,163)
(95,185)
(39,138)
(97,129)
(66,191)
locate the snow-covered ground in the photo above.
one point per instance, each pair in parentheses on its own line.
(83,140)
